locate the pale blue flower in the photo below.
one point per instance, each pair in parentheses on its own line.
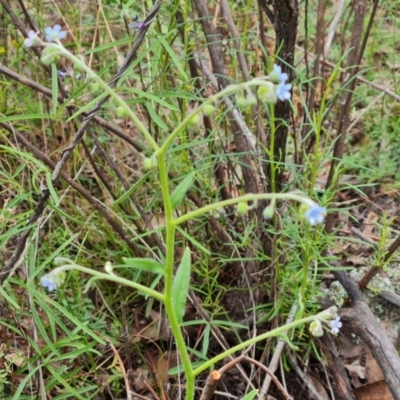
(315,214)
(283,91)
(53,280)
(32,39)
(55,33)
(279,75)
(336,325)
(48,283)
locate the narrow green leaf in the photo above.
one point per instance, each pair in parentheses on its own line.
(178,64)
(179,369)
(126,8)
(88,106)
(155,117)
(54,89)
(63,382)
(156,98)
(25,117)
(180,286)
(145,264)
(180,191)
(24,382)
(251,395)
(9,299)
(109,46)
(192,240)
(52,191)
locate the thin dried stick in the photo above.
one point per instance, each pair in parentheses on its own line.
(121,365)
(242,61)
(215,376)
(333,27)
(303,376)
(210,385)
(273,365)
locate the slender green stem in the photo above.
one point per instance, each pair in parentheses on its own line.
(110,277)
(111,92)
(246,198)
(252,341)
(227,91)
(272,147)
(169,269)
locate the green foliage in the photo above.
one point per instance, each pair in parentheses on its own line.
(184,199)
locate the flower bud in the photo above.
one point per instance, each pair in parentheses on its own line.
(242,207)
(194,120)
(267,94)
(149,163)
(49,55)
(268,212)
(121,112)
(208,110)
(108,267)
(316,328)
(241,102)
(251,99)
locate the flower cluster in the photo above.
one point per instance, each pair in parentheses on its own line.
(50,54)
(328,316)
(277,88)
(315,214)
(137,25)
(53,280)
(52,34)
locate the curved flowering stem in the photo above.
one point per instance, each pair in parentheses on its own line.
(325,316)
(310,204)
(54,278)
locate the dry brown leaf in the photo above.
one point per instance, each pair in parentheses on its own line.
(373,391)
(165,363)
(140,377)
(372,369)
(356,372)
(370,223)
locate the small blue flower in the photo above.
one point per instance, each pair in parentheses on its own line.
(62,74)
(32,39)
(279,76)
(137,26)
(48,283)
(283,91)
(55,33)
(315,214)
(336,325)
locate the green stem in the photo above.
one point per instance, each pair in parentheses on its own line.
(227,91)
(111,277)
(252,341)
(110,91)
(245,199)
(169,275)
(272,148)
